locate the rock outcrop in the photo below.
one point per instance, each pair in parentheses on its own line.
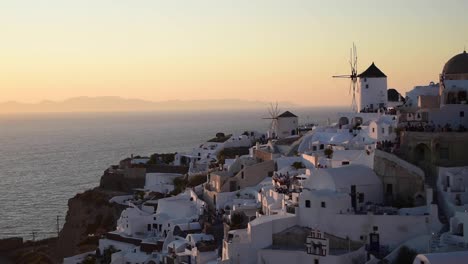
(89,216)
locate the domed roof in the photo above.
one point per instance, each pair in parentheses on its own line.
(457,65)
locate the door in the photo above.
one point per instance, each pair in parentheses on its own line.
(353,196)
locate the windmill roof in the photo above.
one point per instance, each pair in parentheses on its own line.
(372,72)
(287,114)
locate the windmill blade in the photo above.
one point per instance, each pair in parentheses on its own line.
(351,59)
(355,58)
(271,111)
(354,85)
(276,110)
(341,76)
(350,85)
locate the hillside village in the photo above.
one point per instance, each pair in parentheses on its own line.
(385,183)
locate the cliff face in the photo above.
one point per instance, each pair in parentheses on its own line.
(89,213)
(124,181)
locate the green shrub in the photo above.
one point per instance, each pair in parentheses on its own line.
(298,165)
(196,180)
(237,220)
(328,152)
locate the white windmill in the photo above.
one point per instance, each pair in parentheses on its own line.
(274,111)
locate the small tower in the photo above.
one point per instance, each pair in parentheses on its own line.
(372,92)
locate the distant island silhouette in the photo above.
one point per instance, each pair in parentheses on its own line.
(119,104)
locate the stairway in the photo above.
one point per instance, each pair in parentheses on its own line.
(435,242)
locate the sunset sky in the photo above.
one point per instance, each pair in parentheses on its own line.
(257,50)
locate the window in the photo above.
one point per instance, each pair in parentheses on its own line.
(367,86)
(314,148)
(323,205)
(345,163)
(307,203)
(361,197)
(389,188)
(149,227)
(383,130)
(375,228)
(322,146)
(316,261)
(242,175)
(462,113)
(444,153)
(373,130)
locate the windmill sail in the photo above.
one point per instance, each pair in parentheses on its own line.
(273,110)
(352,76)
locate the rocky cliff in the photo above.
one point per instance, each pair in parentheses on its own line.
(89,216)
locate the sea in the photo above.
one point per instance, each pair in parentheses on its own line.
(46,159)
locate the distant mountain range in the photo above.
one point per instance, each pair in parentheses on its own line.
(118,104)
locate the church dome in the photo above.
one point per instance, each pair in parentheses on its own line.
(457,65)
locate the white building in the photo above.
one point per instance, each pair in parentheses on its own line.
(160,182)
(412,97)
(344,201)
(358,182)
(194,248)
(450,105)
(452,184)
(383,128)
(372,91)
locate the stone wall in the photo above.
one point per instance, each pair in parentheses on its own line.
(118,182)
(444,149)
(406,179)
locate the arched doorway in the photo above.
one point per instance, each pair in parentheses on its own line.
(422,153)
(419,200)
(356,121)
(459,229)
(343,121)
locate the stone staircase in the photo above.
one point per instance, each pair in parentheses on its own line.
(435,242)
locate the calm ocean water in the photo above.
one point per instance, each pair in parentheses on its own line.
(45,159)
